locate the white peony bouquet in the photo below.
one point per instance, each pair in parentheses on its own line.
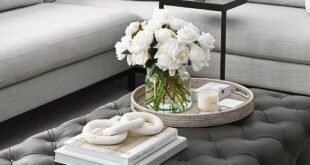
(165,45)
(169,41)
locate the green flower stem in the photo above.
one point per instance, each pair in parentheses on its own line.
(165,88)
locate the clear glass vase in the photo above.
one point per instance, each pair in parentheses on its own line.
(168,93)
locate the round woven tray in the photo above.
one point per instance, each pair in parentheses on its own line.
(194,117)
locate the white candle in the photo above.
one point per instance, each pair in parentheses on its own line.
(208,100)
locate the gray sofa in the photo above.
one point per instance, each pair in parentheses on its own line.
(48,50)
(267,41)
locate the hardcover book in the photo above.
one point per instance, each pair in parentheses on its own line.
(159,156)
(129,152)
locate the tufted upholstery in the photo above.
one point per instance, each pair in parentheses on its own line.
(277,133)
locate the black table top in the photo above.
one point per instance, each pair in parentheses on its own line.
(216,5)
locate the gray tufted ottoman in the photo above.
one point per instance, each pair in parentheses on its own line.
(277,133)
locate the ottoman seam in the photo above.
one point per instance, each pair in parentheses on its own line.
(251,155)
(45,154)
(244,133)
(267,137)
(266,117)
(51,135)
(84,120)
(285,140)
(204,154)
(119,112)
(52,140)
(218,150)
(208,134)
(11,154)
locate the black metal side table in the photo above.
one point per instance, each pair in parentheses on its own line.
(215,5)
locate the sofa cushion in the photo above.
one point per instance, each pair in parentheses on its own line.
(292,3)
(46,36)
(12,4)
(262,31)
(254,30)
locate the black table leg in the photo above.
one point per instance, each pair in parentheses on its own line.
(161,4)
(223,46)
(132,79)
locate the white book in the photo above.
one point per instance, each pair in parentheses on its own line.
(72,158)
(129,152)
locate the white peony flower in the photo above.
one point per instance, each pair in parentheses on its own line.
(126,40)
(153,25)
(171,55)
(190,25)
(140,58)
(187,35)
(122,46)
(182,69)
(129,59)
(206,41)
(163,34)
(132,28)
(141,42)
(199,57)
(143,24)
(177,24)
(163,15)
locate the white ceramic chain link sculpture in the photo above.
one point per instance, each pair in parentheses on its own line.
(115,130)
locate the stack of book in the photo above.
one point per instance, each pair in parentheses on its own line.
(135,150)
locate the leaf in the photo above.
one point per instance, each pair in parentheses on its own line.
(126,52)
(152,52)
(134,34)
(154,43)
(149,63)
(152,70)
(169,27)
(166,26)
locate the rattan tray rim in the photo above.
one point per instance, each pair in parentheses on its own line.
(215,118)
(250,93)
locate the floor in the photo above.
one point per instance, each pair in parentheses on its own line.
(15,130)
